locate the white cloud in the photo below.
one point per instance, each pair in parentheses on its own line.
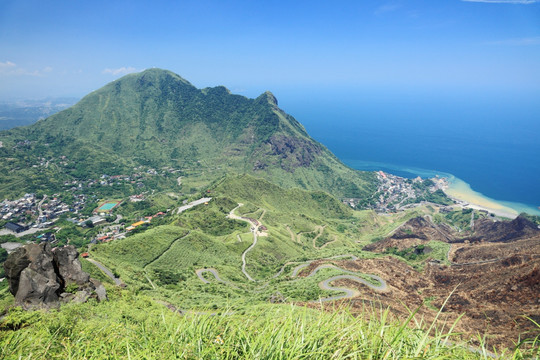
(517,42)
(526,2)
(120,71)
(6,66)
(10,68)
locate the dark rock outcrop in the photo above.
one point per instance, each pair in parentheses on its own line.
(294,152)
(503,231)
(69,266)
(38,277)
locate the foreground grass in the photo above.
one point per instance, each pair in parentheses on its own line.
(136,327)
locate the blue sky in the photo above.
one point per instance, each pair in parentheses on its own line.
(69,48)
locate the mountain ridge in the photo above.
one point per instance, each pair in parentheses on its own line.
(157,118)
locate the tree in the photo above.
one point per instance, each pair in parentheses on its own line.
(3,255)
(89,223)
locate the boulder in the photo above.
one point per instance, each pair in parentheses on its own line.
(38,276)
(69,267)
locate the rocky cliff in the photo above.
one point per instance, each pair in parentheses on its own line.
(42,277)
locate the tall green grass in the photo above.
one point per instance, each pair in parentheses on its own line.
(135,327)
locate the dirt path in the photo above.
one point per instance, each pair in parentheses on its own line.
(328,243)
(321,230)
(293,237)
(262,215)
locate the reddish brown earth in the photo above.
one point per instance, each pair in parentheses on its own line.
(496,284)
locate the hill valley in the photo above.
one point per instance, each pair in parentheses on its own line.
(216,222)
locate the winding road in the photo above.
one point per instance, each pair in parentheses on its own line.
(324,285)
(232,215)
(244,256)
(215,273)
(107,272)
(348,293)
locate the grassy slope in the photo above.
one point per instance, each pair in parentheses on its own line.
(136,327)
(213,242)
(160,263)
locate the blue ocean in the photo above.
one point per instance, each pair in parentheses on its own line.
(490,141)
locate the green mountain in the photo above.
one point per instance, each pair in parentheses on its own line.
(156,118)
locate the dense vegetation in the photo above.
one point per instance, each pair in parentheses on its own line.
(137,327)
(207,133)
(162,135)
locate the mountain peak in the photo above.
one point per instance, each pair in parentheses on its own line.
(156,117)
(153,75)
(268,97)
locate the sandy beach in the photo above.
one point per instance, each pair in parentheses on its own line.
(461,192)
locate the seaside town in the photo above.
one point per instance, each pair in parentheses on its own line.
(396,193)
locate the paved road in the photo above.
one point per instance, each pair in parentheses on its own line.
(349,293)
(232,215)
(39,205)
(192,204)
(244,255)
(297,269)
(108,272)
(381,287)
(214,272)
(324,285)
(396,229)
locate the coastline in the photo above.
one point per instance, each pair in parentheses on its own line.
(461,192)
(456,189)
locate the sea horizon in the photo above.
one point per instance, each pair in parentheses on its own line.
(487,142)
